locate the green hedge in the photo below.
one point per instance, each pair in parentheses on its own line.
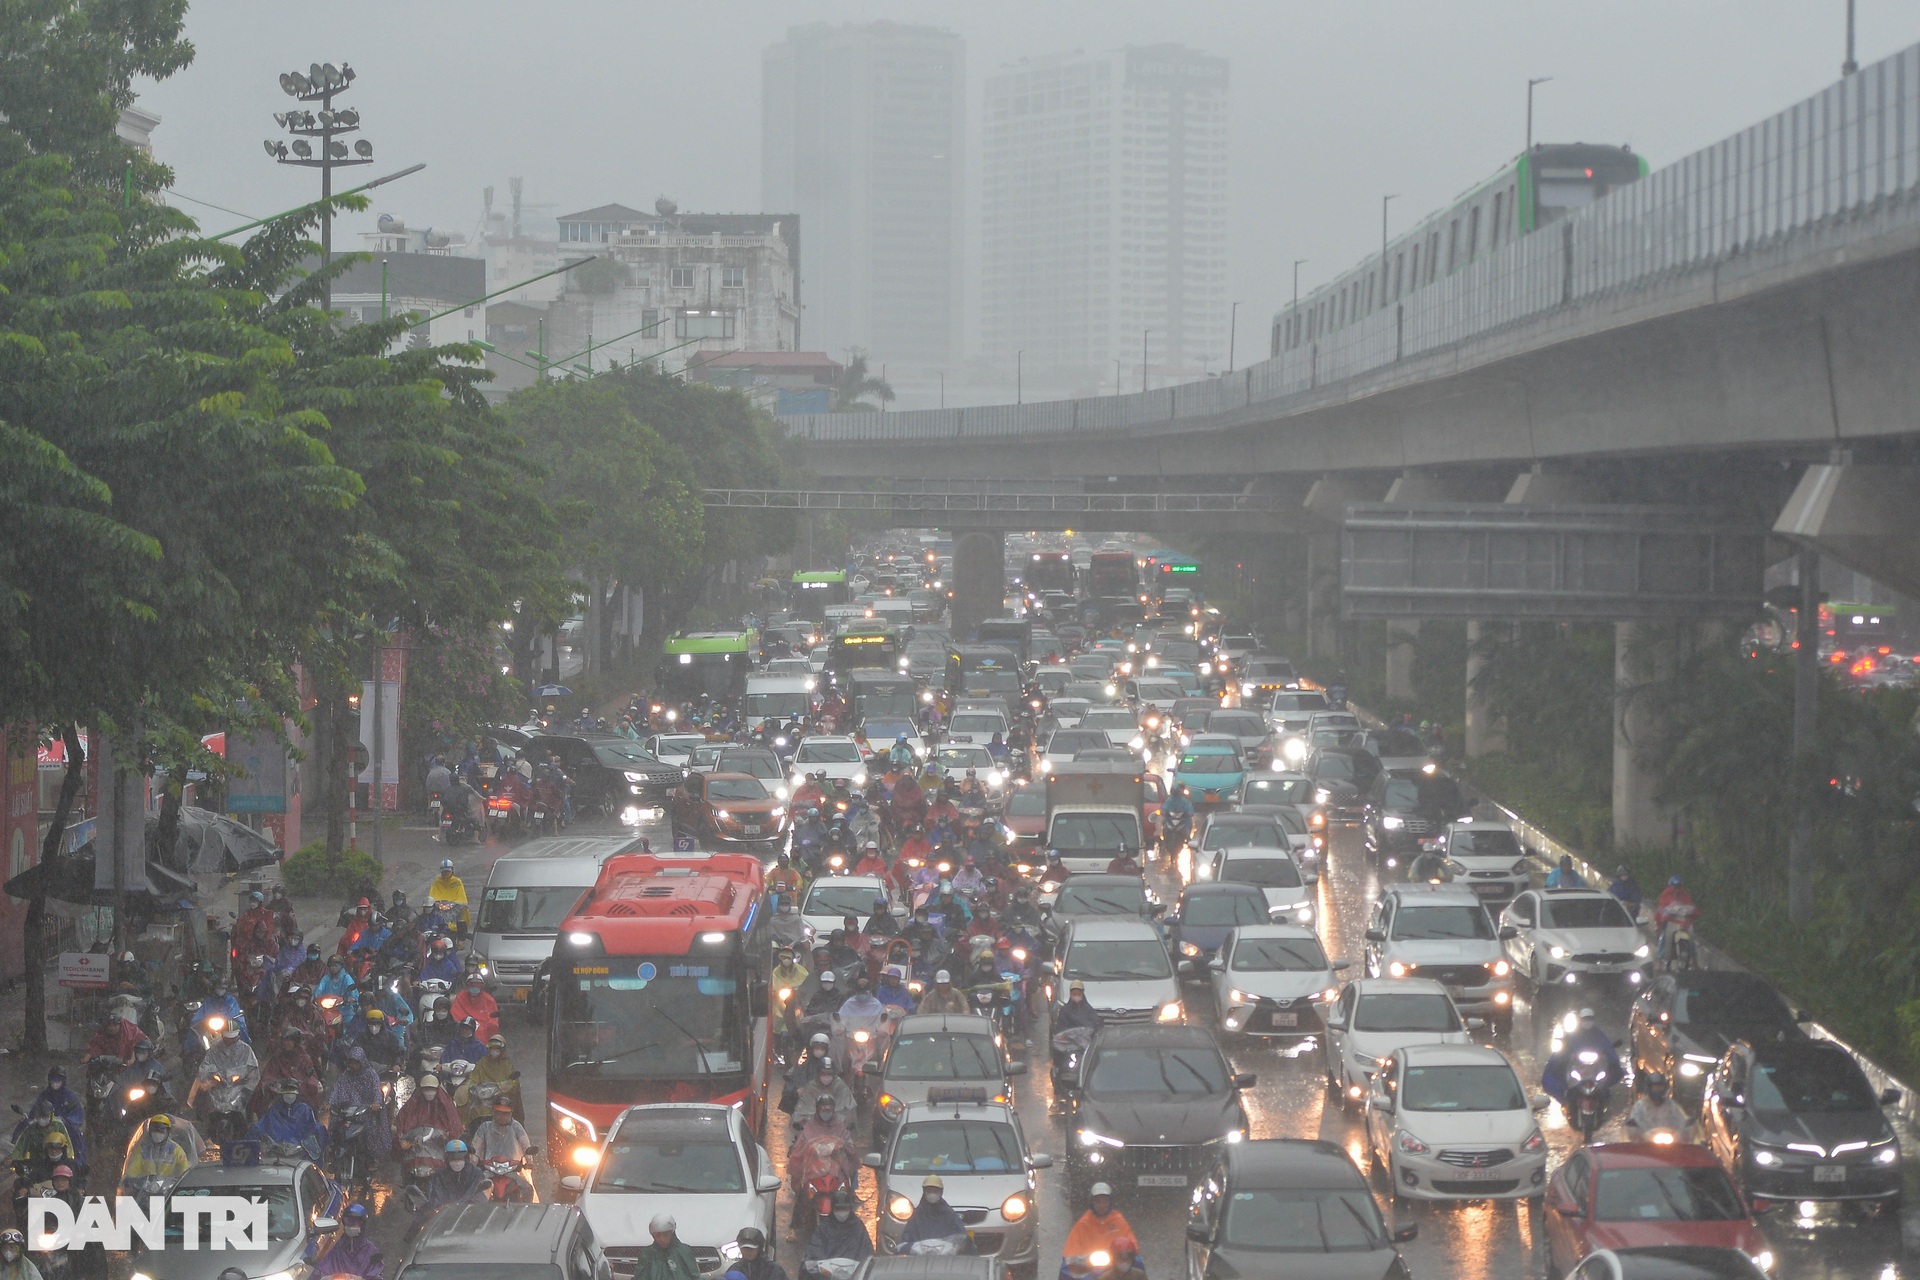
(309,871)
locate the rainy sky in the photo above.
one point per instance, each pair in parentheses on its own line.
(1334,102)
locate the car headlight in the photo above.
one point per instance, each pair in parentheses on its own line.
(1046,765)
(1088,1138)
(1170,1011)
(1764,1259)
(1500,968)
(899,1208)
(1322,796)
(722,815)
(1189,949)
(1642,951)
(1236,1135)
(1237,996)
(1246,688)
(1305,912)
(1136,742)
(1399,969)
(1888,1154)
(631,776)
(1014,1207)
(778,811)
(572,1122)
(1764,1157)
(1518,869)
(1411,1145)
(1558,953)
(1392,823)
(1535,1142)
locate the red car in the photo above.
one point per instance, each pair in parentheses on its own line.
(1630,1195)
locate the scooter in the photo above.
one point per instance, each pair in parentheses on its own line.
(1589,1089)
(351,1161)
(226,1116)
(821,1167)
(422,1154)
(507,1182)
(1069,1047)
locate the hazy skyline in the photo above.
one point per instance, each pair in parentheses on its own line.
(1332,105)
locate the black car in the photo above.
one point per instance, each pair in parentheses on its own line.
(1153,1105)
(1342,776)
(496,1241)
(1292,1207)
(1206,914)
(1798,1120)
(1408,810)
(610,774)
(1683,1024)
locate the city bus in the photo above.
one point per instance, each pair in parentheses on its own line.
(879,694)
(868,645)
(710,662)
(1171,571)
(656,992)
(1012,634)
(812,590)
(1113,575)
(1049,571)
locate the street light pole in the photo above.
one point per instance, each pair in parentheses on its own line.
(1019,377)
(943,388)
(1530,84)
(1233,333)
(1143,358)
(320,85)
(1384,201)
(1848,67)
(1293,317)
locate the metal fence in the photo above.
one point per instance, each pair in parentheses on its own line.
(1843,165)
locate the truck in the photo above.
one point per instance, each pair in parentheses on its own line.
(1094,812)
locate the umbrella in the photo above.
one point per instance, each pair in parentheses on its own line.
(552,691)
(70,879)
(213,844)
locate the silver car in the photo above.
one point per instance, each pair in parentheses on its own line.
(303,1212)
(928,1051)
(976,1147)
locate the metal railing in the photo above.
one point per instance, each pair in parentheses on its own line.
(1840,167)
(1028,503)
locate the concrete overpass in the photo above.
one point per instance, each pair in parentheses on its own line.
(985,508)
(1747,314)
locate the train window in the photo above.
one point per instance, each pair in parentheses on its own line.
(1473,234)
(1413,279)
(1453,245)
(1433,256)
(1493,234)
(1399,270)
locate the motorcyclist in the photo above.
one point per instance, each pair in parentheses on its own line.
(222,1003)
(1626,889)
(942,997)
(310,969)
(287,1060)
(443,964)
(430,1107)
(114,1038)
(1676,907)
(14,1263)
(496,1068)
(354,1253)
(826,1086)
(1125,863)
(784,879)
(863,1007)
(787,929)
(56,1153)
(465,1045)
(1429,865)
(1055,872)
(1076,1012)
(255,933)
(970,794)
(754,1264)
(969,881)
(1178,805)
(1586,1037)
(156,1155)
(291,1121)
(810,838)
(440,779)
(371,1038)
(502,1137)
(228,1058)
(1564,876)
(142,1068)
(338,982)
(459,1180)
(1099,1228)
(1655,1110)
(839,1235)
(892,990)
(474,1002)
(871,861)
(933,1218)
(900,754)
(958,915)
(669,1257)
(69,1106)
(881,925)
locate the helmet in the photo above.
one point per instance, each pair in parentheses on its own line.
(456,1148)
(355,1213)
(373,1016)
(1587,1014)
(429,1081)
(62,1171)
(662,1222)
(826,1068)
(933,1180)
(256,896)
(751,1238)
(1076,985)
(1673,881)
(943,977)
(842,1199)
(441,944)
(1656,1085)
(288,1086)
(1621,872)
(1099,1189)
(446,865)
(232,1031)
(159,1123)
(827,978)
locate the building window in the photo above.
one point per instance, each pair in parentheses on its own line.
(733,277)
(681,277)
(650,321)
(703,324)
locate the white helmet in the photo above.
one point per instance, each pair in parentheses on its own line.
(943,976)
(662,1222)
(1100,1189)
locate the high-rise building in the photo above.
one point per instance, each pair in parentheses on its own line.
(862,131)
(1104,217)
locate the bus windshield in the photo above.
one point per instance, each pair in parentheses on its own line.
(756,707)
(650,1017)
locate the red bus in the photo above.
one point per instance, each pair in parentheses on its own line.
(1113,575)
(657,995)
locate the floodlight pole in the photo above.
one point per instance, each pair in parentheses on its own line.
(322,89)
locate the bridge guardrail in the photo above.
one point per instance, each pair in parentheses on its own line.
(1840,166)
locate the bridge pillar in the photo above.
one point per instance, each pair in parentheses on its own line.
(979,579)
(1403,640)
(1640,655)
(1328,499)
(1485,732)
(1403,634)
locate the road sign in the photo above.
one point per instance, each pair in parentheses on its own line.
(85,969)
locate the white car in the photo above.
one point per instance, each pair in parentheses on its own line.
(696,1161)
(1124,963)
(1276,828)
(1068,712)
(1120,725)
(1441,931)
(1571,937)
(1063,745)
(1273,980)
(837,757)
(1487,858)
(882,734)
(830,900)
(1375,1016)
(954,761)
(1275,873)
(976,725)
(673,748)
(1452,1122)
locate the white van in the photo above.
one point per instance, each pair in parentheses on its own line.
(528,894)
(777,698)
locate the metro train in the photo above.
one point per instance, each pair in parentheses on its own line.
(1527,193)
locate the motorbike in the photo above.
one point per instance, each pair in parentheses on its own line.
(1681,952)
(457,825)
(1092,1265)
(226,1109)
(507,1182)
(821,1168)
(1589,1089)
(479,1105)
(348,1155)
(1069,1047)
(103,1076)
(422,1154)
(435,807)
(335,1008)
(1175,830)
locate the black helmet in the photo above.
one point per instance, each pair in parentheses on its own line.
(751,1238)
(1655,1085)
(842,1199)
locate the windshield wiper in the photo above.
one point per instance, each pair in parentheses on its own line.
(699,1045)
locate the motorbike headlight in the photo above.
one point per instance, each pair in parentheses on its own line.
(1014,1207)
(861,1037)
(786,993)
(216,1024)
(899,1208)
(1392,823)
(1170,1011)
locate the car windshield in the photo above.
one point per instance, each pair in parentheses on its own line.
(1212,762)
(707,753)
(1814,1083)
(1482,842)
(1111,718)
(1299,702)
(1306,1220)
(1102,900)
(943,1057)
(1067,741)
(1429,795)
(1397,742)
(1279,955)
(1242,835)
(1277,791)
(1211,910)
(1157,690)
(1267,670)
(1738,1004)
(735,789)
(1267,873)
(827,753)
(1075,831)
(657,1017)
(1332,765)
(1583,913)
(1408,1011)
(648,1166)
(526,908)
(1703,1194)
(283,1213)
(886,731)
(1241,724)
(619,755)
(991,682)
(1027,802)
(1438,923)
(1194,1070)
(756,707)
(1462,1088)
(1117,960)
(959,759)
(826,898)
(956,1146)
(759,766)
(977,722)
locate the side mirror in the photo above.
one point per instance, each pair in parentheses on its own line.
(326,1225)
(1376,935)
(1341,966)
(1198,1232)
(1217,964)
(1184,968)
(1540,1102)
(1380,1102)
(1016,1068)
(1508,933)
(1890,1098)
(1157,909)
(768,1182)
(1801,1015)
(1473,1024)
(1049,967)
(873,1160)
(1244,1080)
(872,1069)
(1039,1160)
(1402,1235)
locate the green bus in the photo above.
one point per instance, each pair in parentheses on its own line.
(716,663)
(812,590)
(868,644)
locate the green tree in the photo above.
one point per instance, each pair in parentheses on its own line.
(854,385)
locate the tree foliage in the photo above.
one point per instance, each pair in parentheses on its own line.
(856,384)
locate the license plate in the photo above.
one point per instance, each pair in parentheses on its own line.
(1477,1175)
(1487,890)
(1829,1173)
(520,993)
(1161,1180)
(751,828)
(1285,1018)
